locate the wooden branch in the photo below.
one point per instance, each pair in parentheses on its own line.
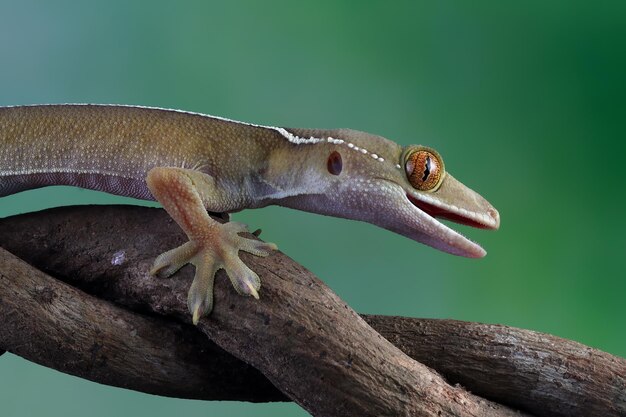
(51,323)
(479,356)
(543,374)
(300,335)
(497,362)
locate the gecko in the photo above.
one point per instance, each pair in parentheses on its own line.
(193,164)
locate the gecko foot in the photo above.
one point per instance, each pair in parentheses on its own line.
(217,249)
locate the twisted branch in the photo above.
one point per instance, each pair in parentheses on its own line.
(301,336)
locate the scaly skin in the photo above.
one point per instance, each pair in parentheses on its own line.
(191,162)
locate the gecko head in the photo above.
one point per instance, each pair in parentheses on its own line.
(405,190)
(428,193)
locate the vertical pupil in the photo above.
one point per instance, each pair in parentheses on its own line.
(427,168)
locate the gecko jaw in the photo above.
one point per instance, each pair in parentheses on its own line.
(410,220)
(455,242)
(489,220)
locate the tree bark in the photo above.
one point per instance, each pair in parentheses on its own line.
(533,371)
(158,356)
(51,323)
(300,335)
(537,372)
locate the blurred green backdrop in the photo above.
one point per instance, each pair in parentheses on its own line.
(526,101)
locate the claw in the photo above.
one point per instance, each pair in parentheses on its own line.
(196,316)
(253,292)
(245,280)
(200,296)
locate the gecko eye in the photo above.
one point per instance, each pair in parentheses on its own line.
(424,169)
(334,163)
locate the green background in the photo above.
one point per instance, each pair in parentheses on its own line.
(526,101)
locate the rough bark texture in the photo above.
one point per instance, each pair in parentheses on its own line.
(537,372)
(533,371)
(300,335)
(53,324)
(110,345)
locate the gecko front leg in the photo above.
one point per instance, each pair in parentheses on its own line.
(186,194)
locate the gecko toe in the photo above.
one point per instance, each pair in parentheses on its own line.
(200,296)
(166,264)
(257,247)
(209,253)
(234,227)
(245,280)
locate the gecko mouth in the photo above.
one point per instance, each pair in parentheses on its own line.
(461,216)
(415,216)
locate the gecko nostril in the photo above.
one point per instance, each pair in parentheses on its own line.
(493,213)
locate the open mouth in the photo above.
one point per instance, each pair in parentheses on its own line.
(416,216)
(458,215)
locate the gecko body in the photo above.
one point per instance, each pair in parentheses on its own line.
(192,163)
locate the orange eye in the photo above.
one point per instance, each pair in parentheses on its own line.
(423,169)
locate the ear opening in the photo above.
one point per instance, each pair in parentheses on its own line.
(334,163)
